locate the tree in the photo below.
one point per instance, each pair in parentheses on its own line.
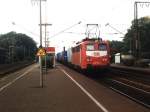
(144,34)
(116,46)
(19,45)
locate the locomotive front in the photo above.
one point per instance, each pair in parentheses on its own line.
(97,54)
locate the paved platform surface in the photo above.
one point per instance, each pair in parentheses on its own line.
(64,91)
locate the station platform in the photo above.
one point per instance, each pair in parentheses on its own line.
(64,90)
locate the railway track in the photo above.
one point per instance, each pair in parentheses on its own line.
(132,84)
(7,69)
(138,76)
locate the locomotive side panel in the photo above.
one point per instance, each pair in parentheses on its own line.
(83,57)
(76,56)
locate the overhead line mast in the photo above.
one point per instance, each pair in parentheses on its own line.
(46,24)
(40,57)
(137,43)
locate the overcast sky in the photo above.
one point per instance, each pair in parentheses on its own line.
(65,13)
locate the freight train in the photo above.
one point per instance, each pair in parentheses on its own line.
(88,54)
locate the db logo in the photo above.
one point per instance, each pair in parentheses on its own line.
(96,54)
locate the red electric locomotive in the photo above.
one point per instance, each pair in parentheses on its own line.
(91,53)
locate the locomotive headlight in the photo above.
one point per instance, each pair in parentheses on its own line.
(105,59)
(88,59)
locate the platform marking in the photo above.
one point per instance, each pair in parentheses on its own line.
(13,81)
(85,91)
(7,76)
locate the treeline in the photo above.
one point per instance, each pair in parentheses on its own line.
(127,46)
(15,47)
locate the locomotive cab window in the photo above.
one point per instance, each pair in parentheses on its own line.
(89,47)
(102,47)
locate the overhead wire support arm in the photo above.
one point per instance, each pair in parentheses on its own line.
(66,29)
(25,29)
(114,28)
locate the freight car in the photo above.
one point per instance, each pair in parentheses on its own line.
(62,57)
(59,56)
(89,54)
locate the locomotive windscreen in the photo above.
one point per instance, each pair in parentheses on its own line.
(90,47)
(102,47)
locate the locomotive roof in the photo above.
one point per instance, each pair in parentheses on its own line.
(90,40)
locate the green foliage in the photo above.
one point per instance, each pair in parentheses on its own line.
(144,34)
(19,46)
(116,46)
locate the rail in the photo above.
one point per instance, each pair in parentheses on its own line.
(131,83)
